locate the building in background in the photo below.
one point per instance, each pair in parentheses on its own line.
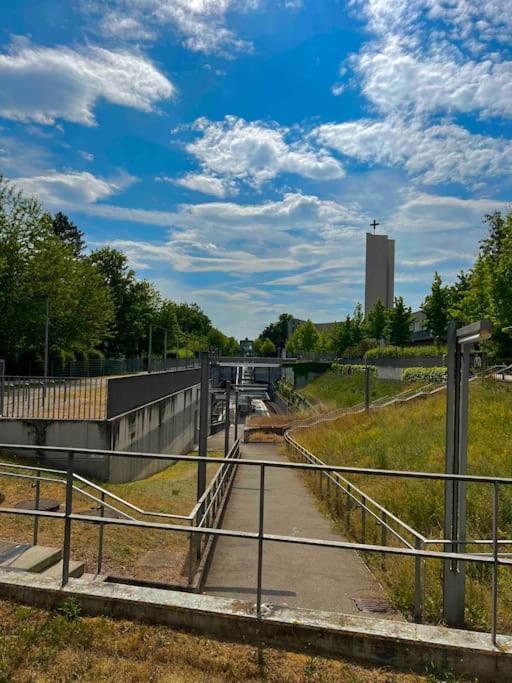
(380,271)
(246,347)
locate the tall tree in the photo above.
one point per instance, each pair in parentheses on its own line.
(376,321)
(305,337)
(399,321)
(436,308)
(69,233)
(277,331)
(358,327)
(268,348)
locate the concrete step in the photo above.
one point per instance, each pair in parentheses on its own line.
(36,559)
(76,569)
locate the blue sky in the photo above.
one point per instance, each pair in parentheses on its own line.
(237,150)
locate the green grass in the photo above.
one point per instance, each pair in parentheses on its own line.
(344,391)
(412,437)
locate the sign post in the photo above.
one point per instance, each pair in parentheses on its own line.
(460,341)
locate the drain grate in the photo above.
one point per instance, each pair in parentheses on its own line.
(372,605)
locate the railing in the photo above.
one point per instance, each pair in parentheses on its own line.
(205,513)
(74,398)
(495,559)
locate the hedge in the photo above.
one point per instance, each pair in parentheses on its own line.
(350,369)
(426,375)
(406,352)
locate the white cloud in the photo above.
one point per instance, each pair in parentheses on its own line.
(42,84)
(256,152)
(87,156)
(397,79)
(201,23)
(437,154)
(57,189)
(206,184)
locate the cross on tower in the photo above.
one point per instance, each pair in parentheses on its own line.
(374,225)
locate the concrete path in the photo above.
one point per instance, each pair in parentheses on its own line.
(298,576)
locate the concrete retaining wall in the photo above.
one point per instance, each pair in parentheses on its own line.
(168,425)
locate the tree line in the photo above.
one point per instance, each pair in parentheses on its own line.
(483,292)
(97,306)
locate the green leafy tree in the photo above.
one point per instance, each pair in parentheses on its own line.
(192,320)
(324,343)
(358,327)
(69,233)
(277,331)
(305,337)
(399,321)
(376,321)
(436,308)
(268,348)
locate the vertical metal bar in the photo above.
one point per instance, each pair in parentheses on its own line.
(260,540)
(367,389)
(363,521)
(349,504)
(236,414)
(383,539)
(46,338)
(227,423)
(100,536)
(495,566)
(203,436)
(418,583)
(37,500)
(165,350)
(66,553)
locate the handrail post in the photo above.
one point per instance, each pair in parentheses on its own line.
(236,414)
(495,565)
(66,553)
(100,536)
(36,506)
(418,584)
(383,538)
(260,540)
(363,520)
(227,422)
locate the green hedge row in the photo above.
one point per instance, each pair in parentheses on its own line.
(426,375)
(406,352)
(350,369)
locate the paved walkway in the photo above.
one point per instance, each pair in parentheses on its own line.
(303,576)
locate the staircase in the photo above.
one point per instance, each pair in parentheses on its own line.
(36,559)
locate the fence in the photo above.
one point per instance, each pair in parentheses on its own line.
(53,397)
(199,529)
(99,367)
(89,398)
(206,513)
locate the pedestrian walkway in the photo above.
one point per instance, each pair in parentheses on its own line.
(295,575)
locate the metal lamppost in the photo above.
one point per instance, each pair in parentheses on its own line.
(150,346)
(460,341)
(203,436)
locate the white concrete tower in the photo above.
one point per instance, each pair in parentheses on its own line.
(380,270)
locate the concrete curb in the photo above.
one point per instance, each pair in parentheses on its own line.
(412,647)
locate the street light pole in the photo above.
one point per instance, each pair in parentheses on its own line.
(46,341)
(150,345)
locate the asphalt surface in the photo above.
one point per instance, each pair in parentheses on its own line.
(295,575)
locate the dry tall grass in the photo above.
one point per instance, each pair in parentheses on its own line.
(412,437)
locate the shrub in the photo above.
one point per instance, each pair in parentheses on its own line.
(406,352)
(350,369)
(426,375)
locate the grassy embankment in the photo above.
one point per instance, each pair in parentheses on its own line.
(43,646)
(172,490)
(332,390)
(412,437)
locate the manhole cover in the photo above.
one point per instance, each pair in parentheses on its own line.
(46,504)
(372,605)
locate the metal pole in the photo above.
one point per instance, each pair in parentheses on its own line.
(100,539)
(165,349)
(260,540)
(203,434)
(66,552)
(36,506)
(236,414)
(418,584)
(495,566)
(150,345)
(46,338)
(367,389)
(228,421)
